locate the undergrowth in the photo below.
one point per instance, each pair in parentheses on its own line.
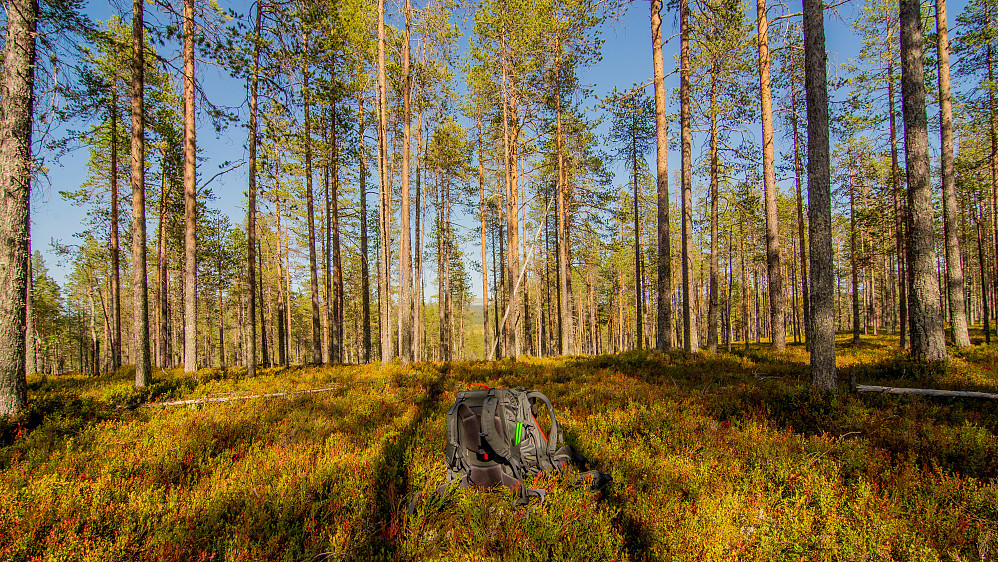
(724,456)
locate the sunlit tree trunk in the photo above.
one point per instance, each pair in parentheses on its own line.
(115,244)
(365,283)
(690,335)
(140,291)
(954,260)
(899,212)
(802,242)
(664,316)
(405,241)
(774,272)
(928,342)
(310,211)
(190,205)
(385,231)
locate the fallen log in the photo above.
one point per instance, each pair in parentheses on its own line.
(196,401)
(926,391)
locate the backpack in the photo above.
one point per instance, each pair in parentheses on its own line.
(493,438)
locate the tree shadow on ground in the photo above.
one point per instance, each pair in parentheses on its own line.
(391,487)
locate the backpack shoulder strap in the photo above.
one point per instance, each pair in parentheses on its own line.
(491,434)
(555,435)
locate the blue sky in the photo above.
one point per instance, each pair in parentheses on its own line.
(626,60)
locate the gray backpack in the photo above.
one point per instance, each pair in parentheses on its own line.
(493,438)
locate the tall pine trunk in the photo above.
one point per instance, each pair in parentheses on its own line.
(954,261)
(190,203)
(566,342)
(485,255)
(664,316)
(405,242)
(310,210)
(802,243)
(365,283)
(690,335)
(115,243)
(16,108)
(928,342)
(713,310)
(899,213)
(385,231)
(140,291)
(774,272)
(819,200)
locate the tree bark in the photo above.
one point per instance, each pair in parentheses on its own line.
(899,213)
(819,200)
(481,217)
(798,169)
(140,291)
(30,357)
(565,318)
(713,310)
(115,248)
(928,342)
(664,316)
(690,335)
(984,275)
(385,196)
(162,259)
(333,215)
(365,283)
(853,251)
(405,242)
(954,260)
(310,209)
(190,203)
(774,273)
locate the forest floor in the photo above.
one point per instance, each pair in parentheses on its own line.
(723,456)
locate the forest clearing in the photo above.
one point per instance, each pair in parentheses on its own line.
(713,456)
(250,252)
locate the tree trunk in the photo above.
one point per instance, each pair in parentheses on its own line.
(798,169)
(405,241)
(190,201)
(283,327)
(251,212)
(690,335)
(565,318)
(984,280)
(853,251)
(365,283)
(954,260)
(419,328)
(713,310)
(140,291)
(899,220)
(775,273)
(30,357)
(664,316)
(819,200)
(993,129)
(638,316)
(385,191)
(485,263)
(221,314)
(512,326)
(333,216)
(928,342)
(310,210)
(115,248)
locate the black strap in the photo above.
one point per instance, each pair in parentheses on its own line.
(490,432)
